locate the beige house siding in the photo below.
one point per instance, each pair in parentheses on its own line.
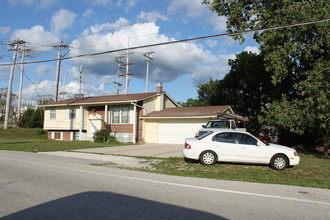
(63,121)
(169,103)
(149,105)
(150,131)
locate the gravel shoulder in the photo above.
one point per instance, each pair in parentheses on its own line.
(111,160)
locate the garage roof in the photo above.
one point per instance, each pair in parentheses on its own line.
(103,99)
(191,112)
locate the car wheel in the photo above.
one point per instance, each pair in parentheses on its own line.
(279,162)
(208,158)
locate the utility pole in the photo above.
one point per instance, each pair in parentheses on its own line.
(119,64)
(58,68)
(80,82)
(14,44)
(21,82)
(127,64)
(63,93)
(149,58)
(80,95)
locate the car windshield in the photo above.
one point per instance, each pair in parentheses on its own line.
(218,124)
(200,137)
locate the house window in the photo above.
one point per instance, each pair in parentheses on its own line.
(52,114)
(115,119)
(125,115)
(72,113)
(57,135)
(120,115)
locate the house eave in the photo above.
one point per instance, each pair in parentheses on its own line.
(181,117)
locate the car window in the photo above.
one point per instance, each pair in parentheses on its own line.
(225,138)
(218,124)
(203,135)
(246,139)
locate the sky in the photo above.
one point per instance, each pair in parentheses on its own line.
(96,26)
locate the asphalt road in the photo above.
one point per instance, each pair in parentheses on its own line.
(40,186)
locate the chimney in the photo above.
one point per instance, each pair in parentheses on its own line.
(159,87)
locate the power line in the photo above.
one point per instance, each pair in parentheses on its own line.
(176,41)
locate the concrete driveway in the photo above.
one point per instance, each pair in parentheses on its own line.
(145,150)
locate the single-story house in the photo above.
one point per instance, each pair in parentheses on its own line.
(152,117)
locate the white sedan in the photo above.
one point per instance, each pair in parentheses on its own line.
(238,147)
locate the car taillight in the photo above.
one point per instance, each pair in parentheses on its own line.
(295,153)
(187,146)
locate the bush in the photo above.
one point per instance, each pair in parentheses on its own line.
(104,135)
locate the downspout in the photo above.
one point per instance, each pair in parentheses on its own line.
(135,121)
(81,122)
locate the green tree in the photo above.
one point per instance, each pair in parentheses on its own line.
(32,118)
(247,87)
(301,52)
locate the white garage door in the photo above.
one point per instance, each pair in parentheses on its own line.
(175,131)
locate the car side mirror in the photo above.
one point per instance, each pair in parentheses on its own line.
(203,126)
(259,143)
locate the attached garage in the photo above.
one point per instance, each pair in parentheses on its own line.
(175,131)
(173,125)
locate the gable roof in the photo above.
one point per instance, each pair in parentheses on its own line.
(126,98)
(190,112)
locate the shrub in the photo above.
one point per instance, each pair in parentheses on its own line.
(104,135)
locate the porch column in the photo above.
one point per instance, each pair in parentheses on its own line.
(106,115)
(81,122)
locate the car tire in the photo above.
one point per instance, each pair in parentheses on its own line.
(279,162)
(208,158)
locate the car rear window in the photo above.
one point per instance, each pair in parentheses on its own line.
(200,137)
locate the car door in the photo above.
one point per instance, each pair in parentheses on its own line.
(225,147)
(249,150)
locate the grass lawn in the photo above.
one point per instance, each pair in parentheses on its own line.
(35,140)
(313,170)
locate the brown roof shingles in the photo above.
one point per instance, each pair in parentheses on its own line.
(102,99)
(189,111)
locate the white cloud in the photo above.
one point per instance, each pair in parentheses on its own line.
(212,43)
(101,2)
(62,20)
(170,61)
(37,3)
(217,69)
(144,16)
(31,94)
(202,12)
(45,70)
(4,30)
(88,13)
(126,4)
(252,49)
(36,36)
(219,22)
(177,5)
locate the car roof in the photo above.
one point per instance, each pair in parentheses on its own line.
(222,130)
(221,119)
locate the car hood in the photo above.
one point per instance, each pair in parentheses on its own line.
(277,146)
